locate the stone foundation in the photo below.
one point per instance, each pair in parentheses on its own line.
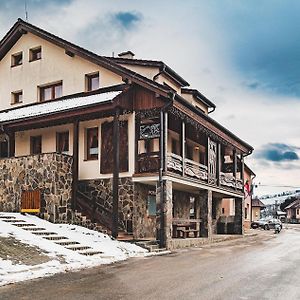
(101,189)
(144,226)
(51,173)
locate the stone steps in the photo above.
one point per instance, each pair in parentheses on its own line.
(152,245)
(33,228)
(23,224)
(76,248)
(66,242)
(7,217)
(13,220)
(44,233)
(90,253)
(54,237)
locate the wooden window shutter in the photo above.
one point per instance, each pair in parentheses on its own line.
(107,147)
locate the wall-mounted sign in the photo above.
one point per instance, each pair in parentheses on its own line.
(149,131)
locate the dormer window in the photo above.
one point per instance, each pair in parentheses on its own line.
(16,97)
(50,91)
(35,54)
(16,59)
(92,81)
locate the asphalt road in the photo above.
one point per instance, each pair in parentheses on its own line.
(262,267)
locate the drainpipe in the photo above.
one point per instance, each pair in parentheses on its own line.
(159,73)
(161,170)
(214,108)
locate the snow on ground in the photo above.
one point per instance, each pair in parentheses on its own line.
(60,258)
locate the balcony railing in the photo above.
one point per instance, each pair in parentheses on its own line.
(150,163)
(196,170)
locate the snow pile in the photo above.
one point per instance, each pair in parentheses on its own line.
(61,259)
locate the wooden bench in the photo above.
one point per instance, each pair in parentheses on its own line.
(186,232)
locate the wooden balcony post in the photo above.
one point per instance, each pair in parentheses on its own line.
(11,144)
(165,141)
(234,165)
(116,170)
(218,163)
(75,161)
(182,137)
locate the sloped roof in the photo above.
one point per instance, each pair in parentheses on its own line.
(164,69)
(295,204)
(56,106)
(198,95)
(257,203)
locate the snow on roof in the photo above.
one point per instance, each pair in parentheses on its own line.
(56,106)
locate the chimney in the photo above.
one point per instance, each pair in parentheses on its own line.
(126,54)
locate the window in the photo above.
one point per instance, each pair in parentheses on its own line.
(3,149)
(62,142)
(36,144)
(223,210)
(50,92)
(189,152)
(175,147)
(92,143)
(297,211)
(16,97)
(16,59)
(35,54)
(92,82)
(151,205)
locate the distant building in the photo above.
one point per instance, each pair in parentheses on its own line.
(257,206)
(293,212)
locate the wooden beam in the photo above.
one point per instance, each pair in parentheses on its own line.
(116,171)
(182,140)
(165,141)
(11,144)
(218,163)
(75,161)
(234,165)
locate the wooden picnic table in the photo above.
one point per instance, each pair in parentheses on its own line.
(183,227)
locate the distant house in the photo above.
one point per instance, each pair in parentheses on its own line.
(293,212)
(248,178)
(257,206)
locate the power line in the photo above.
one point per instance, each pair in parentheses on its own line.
(283,186)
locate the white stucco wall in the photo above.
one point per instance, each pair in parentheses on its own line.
(54,66)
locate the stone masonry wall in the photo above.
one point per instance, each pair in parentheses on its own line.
(144,225)
(49,172)
(101,189)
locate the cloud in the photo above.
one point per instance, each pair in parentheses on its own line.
(277,152)
(127,19)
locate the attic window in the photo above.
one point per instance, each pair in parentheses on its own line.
(35,54)
(51,91)
(92,81)
(16,97)
(16,59)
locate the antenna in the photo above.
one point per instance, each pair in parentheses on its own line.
(26,12)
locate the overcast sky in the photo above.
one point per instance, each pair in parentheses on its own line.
(243,55)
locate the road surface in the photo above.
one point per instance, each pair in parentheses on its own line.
(266,266)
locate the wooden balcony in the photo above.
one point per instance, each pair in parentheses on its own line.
(148,162)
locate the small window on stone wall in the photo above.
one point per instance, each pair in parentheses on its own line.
(36,144)
(151,205)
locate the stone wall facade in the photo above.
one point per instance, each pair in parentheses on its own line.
(51,173)
(101,189)
(144,226)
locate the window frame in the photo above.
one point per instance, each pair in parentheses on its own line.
(33,139)
(14,96)
(62,134)
(13,59)
(150,198)
(33,53)
(52,86)
(88,81)
(88,143)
